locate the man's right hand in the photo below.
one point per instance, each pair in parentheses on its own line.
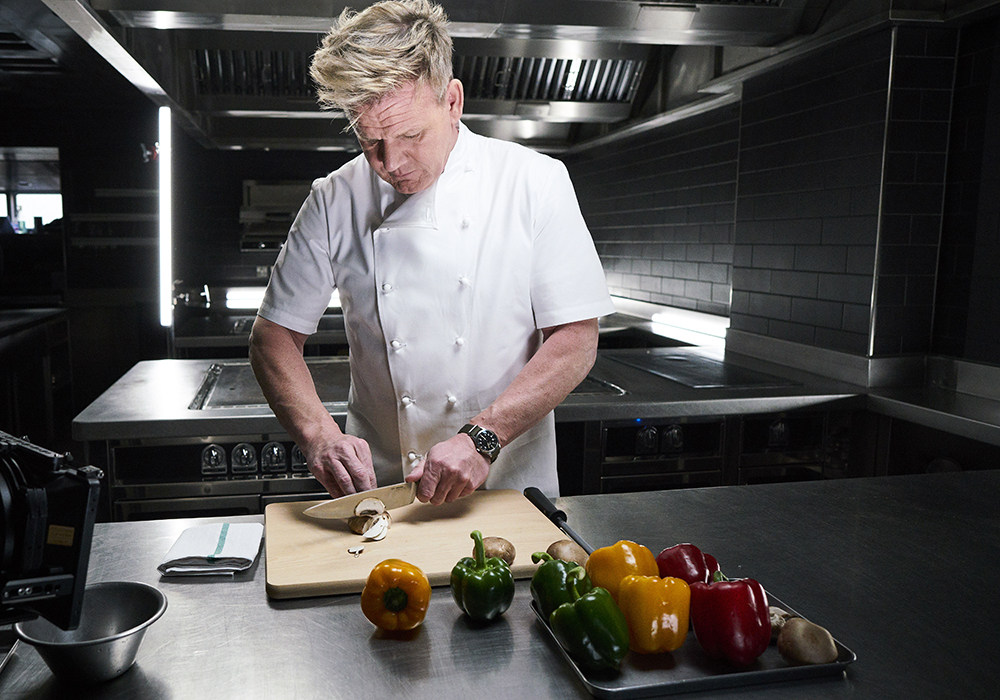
(342,464)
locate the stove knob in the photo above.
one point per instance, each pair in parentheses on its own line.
(298,460)
(646,440)
(778,433)
(273,457)
(213,460)
(244,458)
(672,439)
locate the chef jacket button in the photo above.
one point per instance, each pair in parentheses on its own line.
(464,281)
(386,287)
(459,341)
(452,399)
(397,344)
(465,223)
(406,400)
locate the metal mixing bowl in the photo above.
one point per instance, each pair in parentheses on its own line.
(114,619)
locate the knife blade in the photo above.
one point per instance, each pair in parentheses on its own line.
(393,496)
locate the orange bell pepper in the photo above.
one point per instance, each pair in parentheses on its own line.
(607,566)
(657,610)
(396,596)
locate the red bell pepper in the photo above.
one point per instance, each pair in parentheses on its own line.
(731,619)
(687,562)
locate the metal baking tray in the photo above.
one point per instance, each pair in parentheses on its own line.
(689,669)
(8,645)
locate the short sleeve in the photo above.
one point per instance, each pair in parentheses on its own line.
(302,280)
(567,278)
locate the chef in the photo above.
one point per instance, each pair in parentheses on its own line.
(468,280)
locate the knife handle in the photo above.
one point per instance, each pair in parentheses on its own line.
(542,503)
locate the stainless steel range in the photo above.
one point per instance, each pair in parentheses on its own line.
(181,438)
(196,437)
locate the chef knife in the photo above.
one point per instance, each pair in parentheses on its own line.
(393,496)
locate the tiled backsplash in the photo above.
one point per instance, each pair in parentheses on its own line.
(968,296)
(807,211)
(661,208)
(824,185)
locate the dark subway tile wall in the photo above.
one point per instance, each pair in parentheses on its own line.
(969,252)
(913,188)
(841,185)
(660,207)
(811,141)
(849,202)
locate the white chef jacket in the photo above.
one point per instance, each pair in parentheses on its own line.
(443,293)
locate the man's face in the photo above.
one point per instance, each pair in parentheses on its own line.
(407,135)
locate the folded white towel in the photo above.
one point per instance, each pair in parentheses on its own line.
(219,548)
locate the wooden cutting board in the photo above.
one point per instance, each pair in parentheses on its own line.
(308,557)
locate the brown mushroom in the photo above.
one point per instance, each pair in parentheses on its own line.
(498,547)
(568,550)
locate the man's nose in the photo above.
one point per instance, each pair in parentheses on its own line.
(392,156)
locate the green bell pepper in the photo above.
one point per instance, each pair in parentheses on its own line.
(550,583)
(483,588)
(592,629)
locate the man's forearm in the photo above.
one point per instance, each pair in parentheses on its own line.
(281,371)
(566,356)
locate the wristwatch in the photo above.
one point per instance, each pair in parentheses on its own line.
(486,441)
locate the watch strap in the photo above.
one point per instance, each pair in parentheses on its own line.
(485,440)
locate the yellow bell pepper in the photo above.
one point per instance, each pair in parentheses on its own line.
(396,596)
(607,566)
(657,610)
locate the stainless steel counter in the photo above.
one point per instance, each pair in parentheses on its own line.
(895,567)
(152,400)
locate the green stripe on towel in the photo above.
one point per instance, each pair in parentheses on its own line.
(222,542)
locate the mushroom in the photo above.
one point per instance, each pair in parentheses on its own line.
(378,527)
(500,548)
(370,520)
(568,550)
(369,506)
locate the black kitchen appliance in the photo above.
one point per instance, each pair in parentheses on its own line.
(47,513)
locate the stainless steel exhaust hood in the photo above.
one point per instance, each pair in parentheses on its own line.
(533,71)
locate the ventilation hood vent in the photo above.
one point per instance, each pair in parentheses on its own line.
(533,71)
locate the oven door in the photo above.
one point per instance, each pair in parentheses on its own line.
(196,507)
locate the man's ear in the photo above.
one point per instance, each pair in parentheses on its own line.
(455,99)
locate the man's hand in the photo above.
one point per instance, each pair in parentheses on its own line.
(452,469)
(342,464)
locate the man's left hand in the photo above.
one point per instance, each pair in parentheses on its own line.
(452,469)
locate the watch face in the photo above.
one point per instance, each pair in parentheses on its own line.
(486,441)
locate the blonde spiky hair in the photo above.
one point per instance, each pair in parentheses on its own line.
(369,54)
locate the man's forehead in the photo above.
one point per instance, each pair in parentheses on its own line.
(399,110)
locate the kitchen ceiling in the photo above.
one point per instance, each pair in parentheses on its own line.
(545,73)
